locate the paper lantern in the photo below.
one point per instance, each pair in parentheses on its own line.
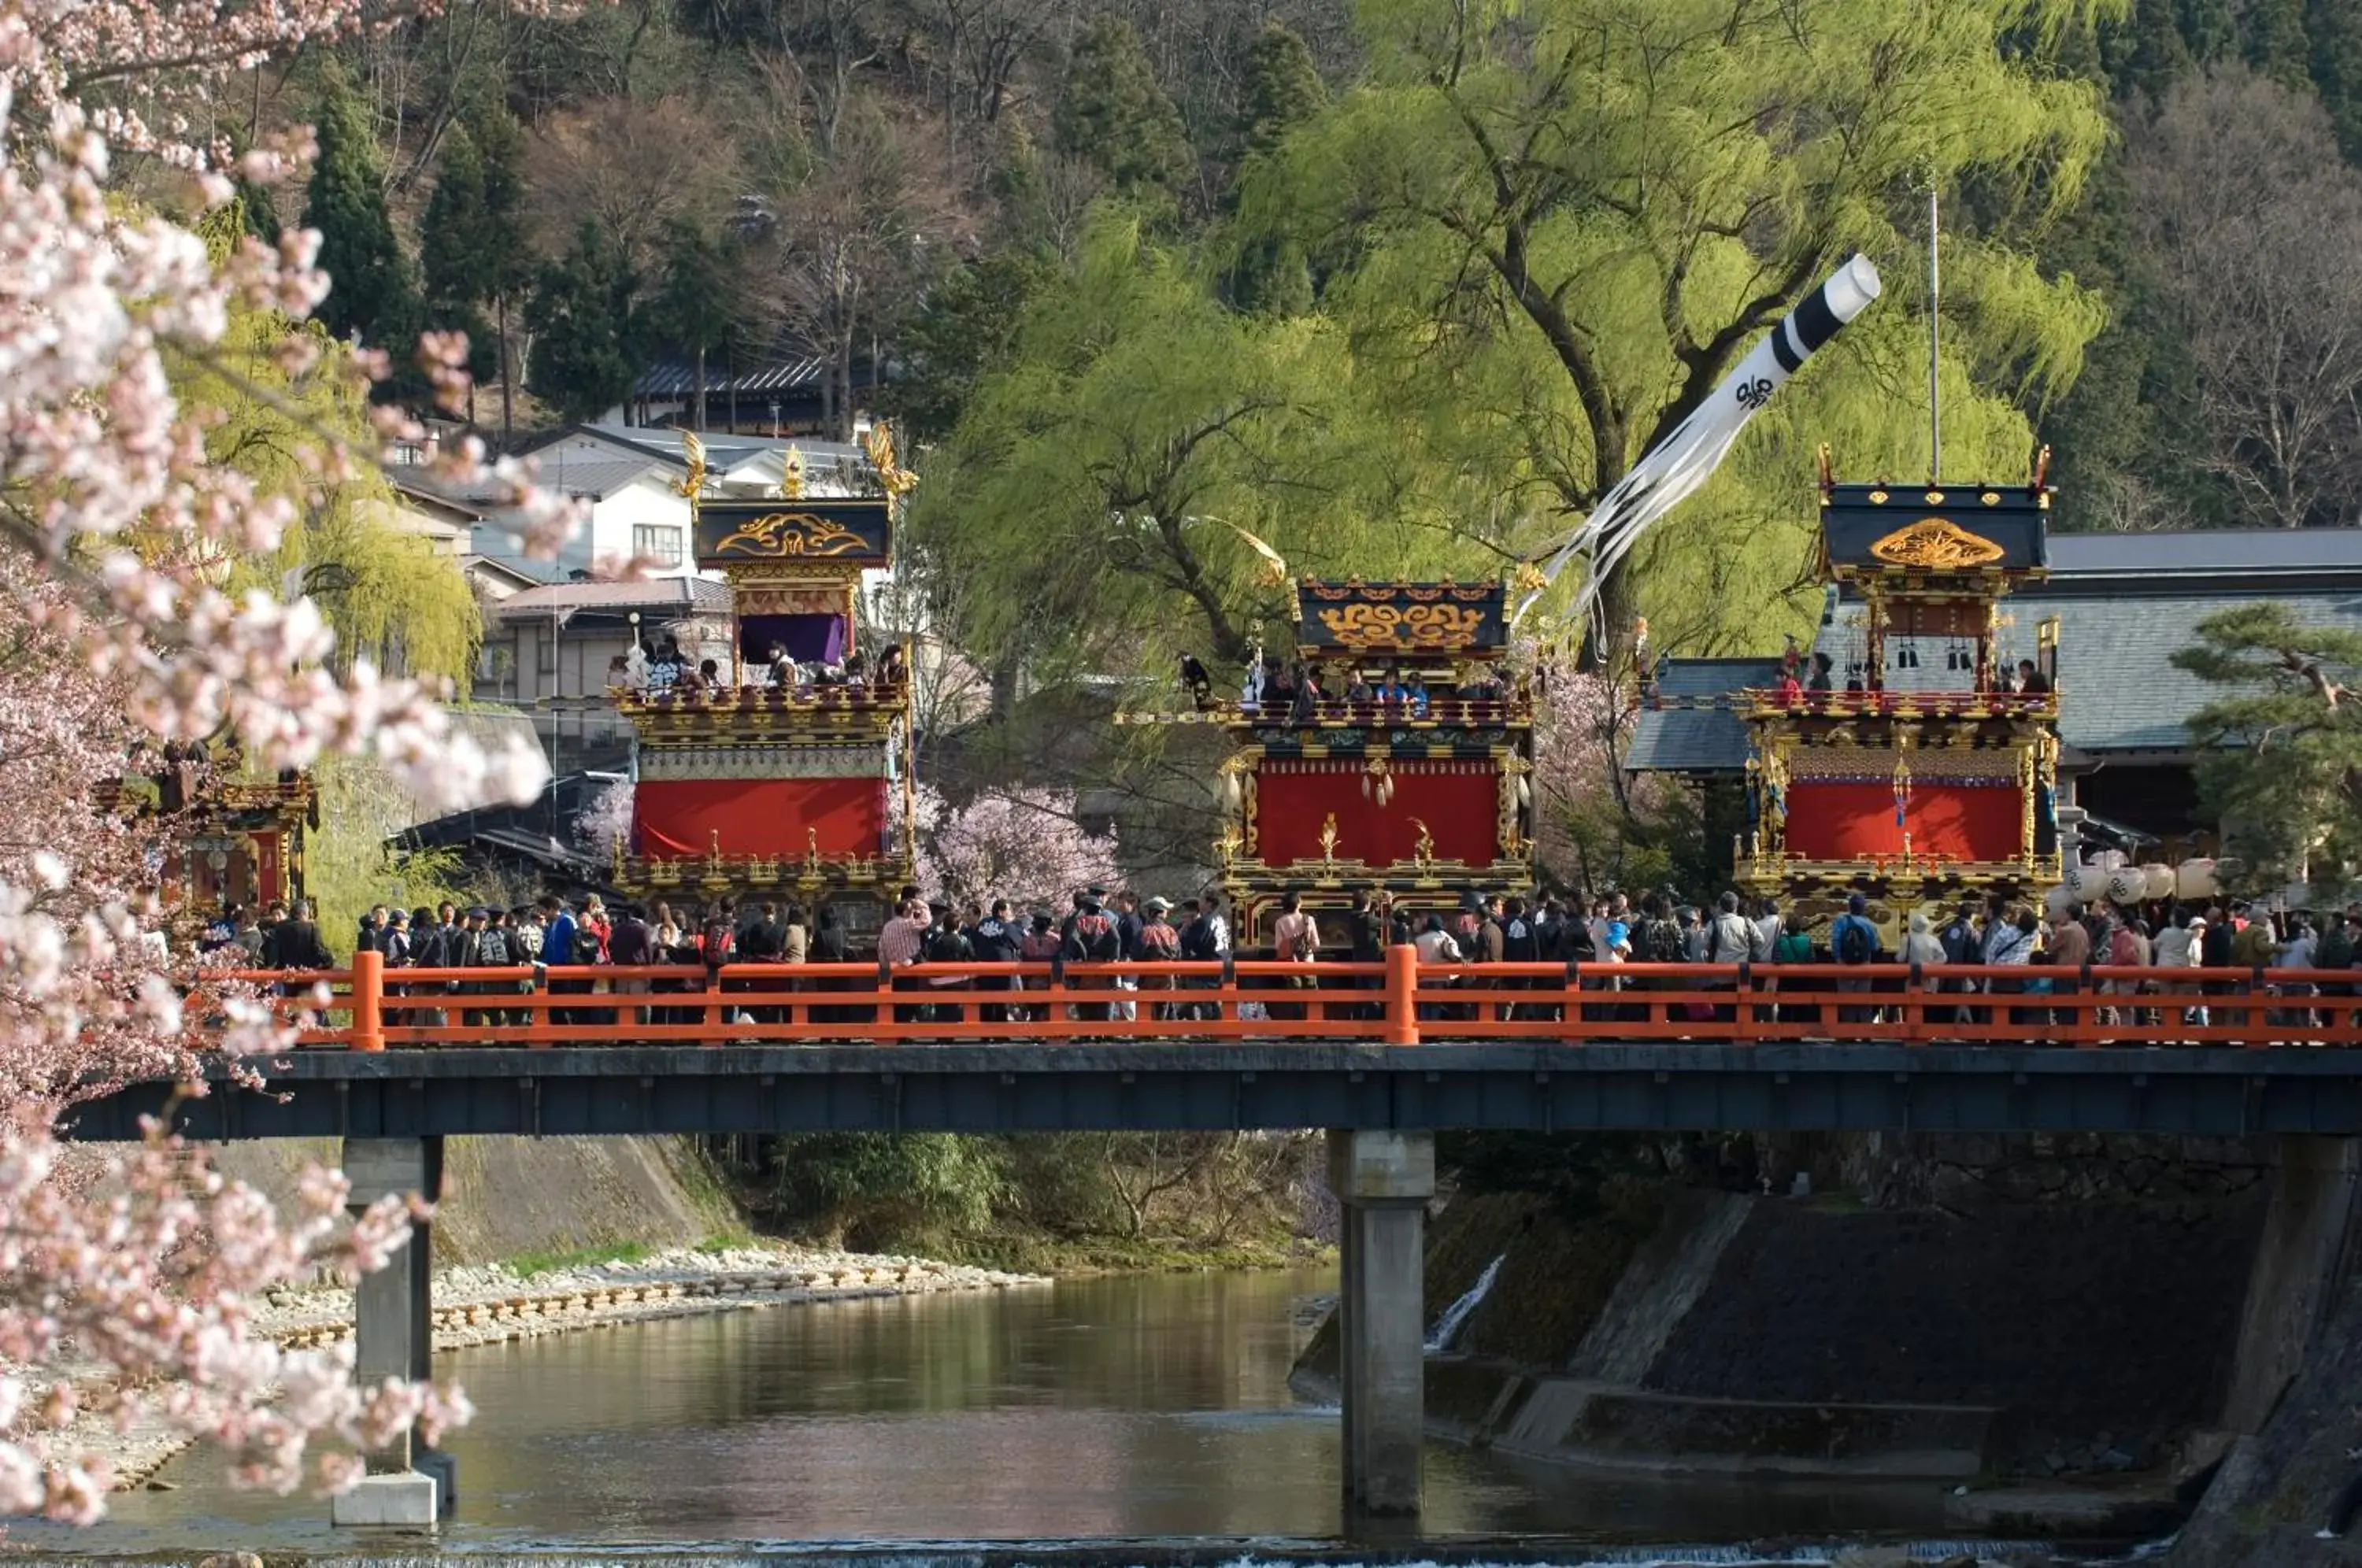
(2059,901)
(2127,884)
(2081,883)
(2160,880)
(2196,879)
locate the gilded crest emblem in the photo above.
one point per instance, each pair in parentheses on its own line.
(792,533)
(1937,544)
(1391,625)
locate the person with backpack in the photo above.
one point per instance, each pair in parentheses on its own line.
(1854,942)
(717,944)
(1092,938)
(1294,939)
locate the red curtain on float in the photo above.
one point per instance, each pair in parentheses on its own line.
(675,817)
(1460,802)
(1854,822)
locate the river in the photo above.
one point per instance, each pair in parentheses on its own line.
(1137,1408)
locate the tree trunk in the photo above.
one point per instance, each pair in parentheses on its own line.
(507,426)
(700,387)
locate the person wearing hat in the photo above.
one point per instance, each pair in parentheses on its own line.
(1159,943)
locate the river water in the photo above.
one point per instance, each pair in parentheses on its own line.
(1132,1408)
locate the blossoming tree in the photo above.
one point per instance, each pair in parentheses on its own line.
(1023,844)
(113,529)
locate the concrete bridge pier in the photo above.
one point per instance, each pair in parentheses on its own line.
(1385,1181)
(393,1336)
(2301,1264)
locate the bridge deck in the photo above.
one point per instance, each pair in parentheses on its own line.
(1223,1086)
(1397,1045)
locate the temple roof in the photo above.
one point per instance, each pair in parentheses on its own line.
(1702,739)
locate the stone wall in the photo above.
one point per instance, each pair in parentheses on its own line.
(506,1198)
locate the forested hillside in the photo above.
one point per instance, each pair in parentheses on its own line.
(1396,287)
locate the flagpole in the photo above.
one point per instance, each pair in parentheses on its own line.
(1934,343)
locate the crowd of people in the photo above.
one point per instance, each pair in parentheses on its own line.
(2042,952)
(659,667)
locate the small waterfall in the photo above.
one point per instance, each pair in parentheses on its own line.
(1447,1327)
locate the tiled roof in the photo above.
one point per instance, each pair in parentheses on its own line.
(1697,740)
(693,594)
(2118,690)
(2210,556)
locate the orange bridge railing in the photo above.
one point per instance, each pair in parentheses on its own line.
(1397,1002)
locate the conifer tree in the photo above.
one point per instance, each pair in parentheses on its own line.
(2276,46)
(373,291)
(2336,29)
(453,255)
(586,336)
(1282,89)
(691,312)
(1114,115)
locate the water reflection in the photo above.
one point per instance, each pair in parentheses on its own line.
(1122,1407)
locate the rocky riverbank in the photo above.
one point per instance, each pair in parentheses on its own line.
(486,1304)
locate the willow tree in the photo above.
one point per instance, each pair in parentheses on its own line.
(389,593)
(1088,504)
(1554,226)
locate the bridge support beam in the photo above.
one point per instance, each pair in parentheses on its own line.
(1385,1181)
(2305,1257)
(394,1334)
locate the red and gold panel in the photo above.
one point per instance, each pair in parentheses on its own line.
(1959,820)
(677,817)
(1458,801)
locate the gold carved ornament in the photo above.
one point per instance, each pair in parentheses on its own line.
(692,449)
(794,534)
(1936,544)
(1388,626)
(897,480)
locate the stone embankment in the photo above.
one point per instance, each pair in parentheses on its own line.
(487,1304)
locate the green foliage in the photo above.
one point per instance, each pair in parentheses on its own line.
(1084,510)
(1551,267)
(373,292)
(390,594)
(1113,114)
(2281,750)
(586,332)
(869,1187)
(348,868)
(1283,90)
(472,247)
(966,328)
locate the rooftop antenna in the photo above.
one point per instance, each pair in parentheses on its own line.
(1935,343)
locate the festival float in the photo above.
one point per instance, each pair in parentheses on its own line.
(1426,798)
(783,790)
(1921,775)
(234,841)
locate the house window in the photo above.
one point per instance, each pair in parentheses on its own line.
(658,541)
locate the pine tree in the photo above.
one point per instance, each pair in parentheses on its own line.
(1282,89)
(2335,26)
(1113,114)
(691,312)
(371,291)
(2280,746)
(453,254)
(2276,42)
(586,332)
